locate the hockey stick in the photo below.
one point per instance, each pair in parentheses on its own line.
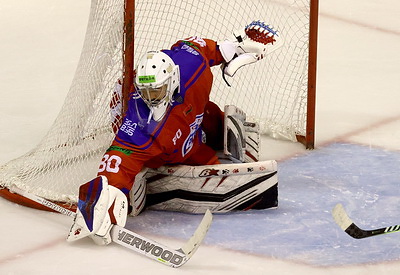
(343,220)
(136,242)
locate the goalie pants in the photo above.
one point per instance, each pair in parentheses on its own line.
(213,126)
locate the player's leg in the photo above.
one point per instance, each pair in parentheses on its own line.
(120,167)
(220,187)
(213,126)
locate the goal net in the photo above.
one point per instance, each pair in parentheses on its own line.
(273,92)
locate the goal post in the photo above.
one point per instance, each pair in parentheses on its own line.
(277,92)
(129,50)
(308,138)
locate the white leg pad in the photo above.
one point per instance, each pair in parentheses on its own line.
(220,188)
(234,133)
(241,138)
(252,152)
(137,195)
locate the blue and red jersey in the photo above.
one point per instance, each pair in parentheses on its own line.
(177,138)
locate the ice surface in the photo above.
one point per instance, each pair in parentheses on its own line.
(302,228)
(356,160)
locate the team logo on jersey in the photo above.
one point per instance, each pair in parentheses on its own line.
(188,143)
(128,127)
(189,48)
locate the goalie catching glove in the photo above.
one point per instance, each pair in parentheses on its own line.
(99,207)
(248,46)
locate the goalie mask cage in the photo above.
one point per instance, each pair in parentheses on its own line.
(278,92)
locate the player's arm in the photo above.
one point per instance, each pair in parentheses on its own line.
(99,207)
(206,47)
(103,201)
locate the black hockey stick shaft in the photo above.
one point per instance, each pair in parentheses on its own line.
(343,220)
(358,233)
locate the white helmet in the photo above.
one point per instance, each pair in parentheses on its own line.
(157,79)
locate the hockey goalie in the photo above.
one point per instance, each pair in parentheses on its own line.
(175,149)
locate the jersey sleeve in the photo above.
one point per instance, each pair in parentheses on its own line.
(121,164)
(207,47)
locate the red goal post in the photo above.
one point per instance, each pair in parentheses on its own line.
(278,92)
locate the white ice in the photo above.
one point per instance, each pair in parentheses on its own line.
(356,160)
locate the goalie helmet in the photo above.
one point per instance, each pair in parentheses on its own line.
(157,79)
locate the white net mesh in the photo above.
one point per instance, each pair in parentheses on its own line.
(272,92)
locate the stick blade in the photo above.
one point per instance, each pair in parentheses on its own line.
(340,216)
(190,247)
(159,252)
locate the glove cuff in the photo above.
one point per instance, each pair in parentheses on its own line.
(228,49)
